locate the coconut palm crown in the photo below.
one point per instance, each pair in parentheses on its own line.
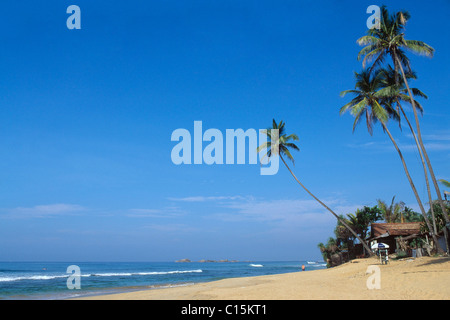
(284,141)
(365,104)
(389,40)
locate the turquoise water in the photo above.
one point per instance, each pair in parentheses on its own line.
(48,280)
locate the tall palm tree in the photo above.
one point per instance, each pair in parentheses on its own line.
(366,103)
(285,143)
(389,41)
(392,94)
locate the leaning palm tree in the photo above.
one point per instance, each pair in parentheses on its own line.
(393,93)
(284,143)
(389,40)
(366,104)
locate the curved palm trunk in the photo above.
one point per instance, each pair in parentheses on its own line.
(419,135)
(413,187)
(423,165)
(326,207)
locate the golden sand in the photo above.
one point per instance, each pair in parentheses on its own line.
(421,278)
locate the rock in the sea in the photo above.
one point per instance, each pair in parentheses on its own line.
(183,260)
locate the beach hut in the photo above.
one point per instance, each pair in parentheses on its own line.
(391,233)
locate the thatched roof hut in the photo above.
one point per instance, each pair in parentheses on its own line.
(389,232)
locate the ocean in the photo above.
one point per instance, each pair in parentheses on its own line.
(51,280)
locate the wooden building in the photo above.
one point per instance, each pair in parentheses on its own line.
(389,232)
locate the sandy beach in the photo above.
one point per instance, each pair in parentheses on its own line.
(422,278)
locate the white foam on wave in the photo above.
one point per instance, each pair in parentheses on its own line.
(169,272)
(127,274)
(8,279)
(110,274)
(318,265)
(256,265)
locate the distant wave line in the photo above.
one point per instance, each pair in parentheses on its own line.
(120,274)
(126,274)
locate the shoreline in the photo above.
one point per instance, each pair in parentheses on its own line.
(49,281)
(421,278)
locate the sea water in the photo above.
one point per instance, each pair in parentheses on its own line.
(48,280)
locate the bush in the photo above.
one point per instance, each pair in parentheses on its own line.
(401,254)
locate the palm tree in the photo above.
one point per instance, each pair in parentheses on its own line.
(392,213)
(394,92)
(366,103)
(285,143)
(389,41)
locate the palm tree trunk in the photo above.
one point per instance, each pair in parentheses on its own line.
(413,187)
(419,135)
(423,165)
(326,207)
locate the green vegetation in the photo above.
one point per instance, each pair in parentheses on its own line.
(360,221)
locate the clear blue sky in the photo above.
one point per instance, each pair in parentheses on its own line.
(86,118)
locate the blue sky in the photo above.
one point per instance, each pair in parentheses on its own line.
(86,118)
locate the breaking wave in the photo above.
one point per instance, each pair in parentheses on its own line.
(119,274)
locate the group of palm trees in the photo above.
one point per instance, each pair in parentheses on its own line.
(396,212)
(381,92)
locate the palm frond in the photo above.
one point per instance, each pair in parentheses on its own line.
(358,108)
(265,145)
(293,137)
(444,182)
(288,154)
(368,40)
(379,112)
(343,93)
(418,93)
(376,54)
(419,47)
